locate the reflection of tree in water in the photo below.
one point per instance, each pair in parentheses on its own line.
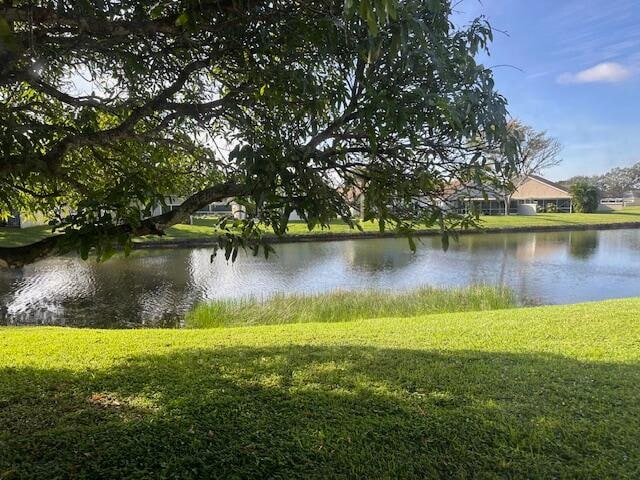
(583,245)
(147,288)
(294,267)
(490,242)
(379,255)
(538,243)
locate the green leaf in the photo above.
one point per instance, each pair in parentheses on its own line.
(157,10)
(6,35)
(372,23)
(84,249)
(391,9)
(412,244)
(183,19)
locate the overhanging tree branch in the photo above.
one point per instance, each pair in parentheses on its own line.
(58,244)
(315,96)
(54,156)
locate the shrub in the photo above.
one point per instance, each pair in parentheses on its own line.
(551,208)
(585,197)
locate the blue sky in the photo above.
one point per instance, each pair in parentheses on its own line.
(574,71)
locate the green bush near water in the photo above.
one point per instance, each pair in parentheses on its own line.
(341,306)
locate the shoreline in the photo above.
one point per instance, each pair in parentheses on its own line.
(356,235)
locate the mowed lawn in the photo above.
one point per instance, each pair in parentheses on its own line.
(548,392)
(14,237)
(204,228)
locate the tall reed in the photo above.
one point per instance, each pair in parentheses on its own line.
(340,306)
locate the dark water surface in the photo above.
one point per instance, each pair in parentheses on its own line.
(156,287)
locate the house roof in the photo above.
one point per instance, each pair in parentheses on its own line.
(534,187)
(550,183)
(538,188)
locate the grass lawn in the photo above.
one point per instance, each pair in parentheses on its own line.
(548,392)
(630,214)
(13,237)
(204,227)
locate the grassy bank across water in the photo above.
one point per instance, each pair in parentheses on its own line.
(342,306)
(547,392)
(203,230)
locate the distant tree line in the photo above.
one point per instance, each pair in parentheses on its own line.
(613,183)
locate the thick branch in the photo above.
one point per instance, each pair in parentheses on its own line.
(41,86)
(126,129)
(14,257)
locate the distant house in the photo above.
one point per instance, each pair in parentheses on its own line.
(18,220)
(534,194)
(226,207)
(12,222)
(631,198)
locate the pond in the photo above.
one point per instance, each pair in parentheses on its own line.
(156,287)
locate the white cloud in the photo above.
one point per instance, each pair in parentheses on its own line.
(608,72)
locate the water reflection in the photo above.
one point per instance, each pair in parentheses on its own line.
(155,288)
(583,246)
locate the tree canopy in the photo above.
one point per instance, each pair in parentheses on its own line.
(536,152)
(614,183)
(106,107)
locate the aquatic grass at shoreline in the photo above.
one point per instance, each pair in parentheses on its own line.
(342,306)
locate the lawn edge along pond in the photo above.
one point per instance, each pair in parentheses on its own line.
(545,392)
(202,232)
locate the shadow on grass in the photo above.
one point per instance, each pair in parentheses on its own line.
(323,412)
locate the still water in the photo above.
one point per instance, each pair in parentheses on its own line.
(156,287)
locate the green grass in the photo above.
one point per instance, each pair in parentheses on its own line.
(630,214)
(550,392)
(13,237)
(342,306)
(204,228)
